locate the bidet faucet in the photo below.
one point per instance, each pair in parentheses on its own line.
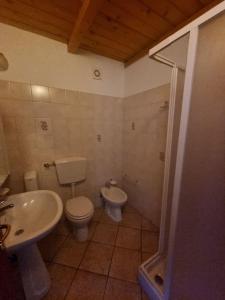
(108,184)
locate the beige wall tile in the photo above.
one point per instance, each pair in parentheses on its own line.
(76,121)
(14,108)
(40,93)
(21,91)
(72,97)
(4,89)
(144,137)
(58,95)
(73,118)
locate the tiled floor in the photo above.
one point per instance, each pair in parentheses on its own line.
(104,267)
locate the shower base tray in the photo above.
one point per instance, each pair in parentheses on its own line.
(151,276)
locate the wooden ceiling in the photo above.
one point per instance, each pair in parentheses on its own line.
(120,29)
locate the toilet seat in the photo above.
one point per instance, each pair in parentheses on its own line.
(79,208)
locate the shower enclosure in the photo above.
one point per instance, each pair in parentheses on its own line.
(153,270)
(193,201)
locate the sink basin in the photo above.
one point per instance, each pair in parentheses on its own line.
(33,216)
(114,195)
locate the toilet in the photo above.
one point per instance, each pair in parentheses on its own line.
(78,210)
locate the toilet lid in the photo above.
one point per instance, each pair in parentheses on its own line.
(79,207)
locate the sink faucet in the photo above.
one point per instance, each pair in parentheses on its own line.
(108,184)
(3,195)
(6,207)
(3,198)
(4,232)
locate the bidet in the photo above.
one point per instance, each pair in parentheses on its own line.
(114,198)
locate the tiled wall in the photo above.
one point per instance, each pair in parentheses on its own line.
(4,168)
(122,139)
(42,124)
(144,137)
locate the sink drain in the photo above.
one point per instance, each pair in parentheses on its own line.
(19,231)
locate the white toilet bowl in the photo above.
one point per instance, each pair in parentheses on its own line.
(79,211)
(114,198)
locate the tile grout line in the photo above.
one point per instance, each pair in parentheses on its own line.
(52,263)
(89,241)
(114,248)
(78,267)
(60,247)
(69,287)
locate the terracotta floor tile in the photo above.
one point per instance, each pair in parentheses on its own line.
(125,264)
(106,219)
(98,213)
(87,286)
(105,233)
(61,278)
(71,253)
(131,220)
(136,239)
(149,241)
(124,290)
(97,258)
(91,229)
(129,238)
(148,225)
(63,227)
(129,209)
(49,245)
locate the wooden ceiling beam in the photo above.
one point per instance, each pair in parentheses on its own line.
(119,32)
(142,52)
(166,10)
(88,11)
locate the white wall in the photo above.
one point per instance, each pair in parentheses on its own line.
(146,73)
(39,60)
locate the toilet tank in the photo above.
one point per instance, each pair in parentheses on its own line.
(31,181)
(71,169)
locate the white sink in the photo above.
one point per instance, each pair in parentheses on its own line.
(33,216)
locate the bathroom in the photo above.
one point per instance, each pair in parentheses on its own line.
(104,139)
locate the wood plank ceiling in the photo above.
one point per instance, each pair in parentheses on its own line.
(120,29)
